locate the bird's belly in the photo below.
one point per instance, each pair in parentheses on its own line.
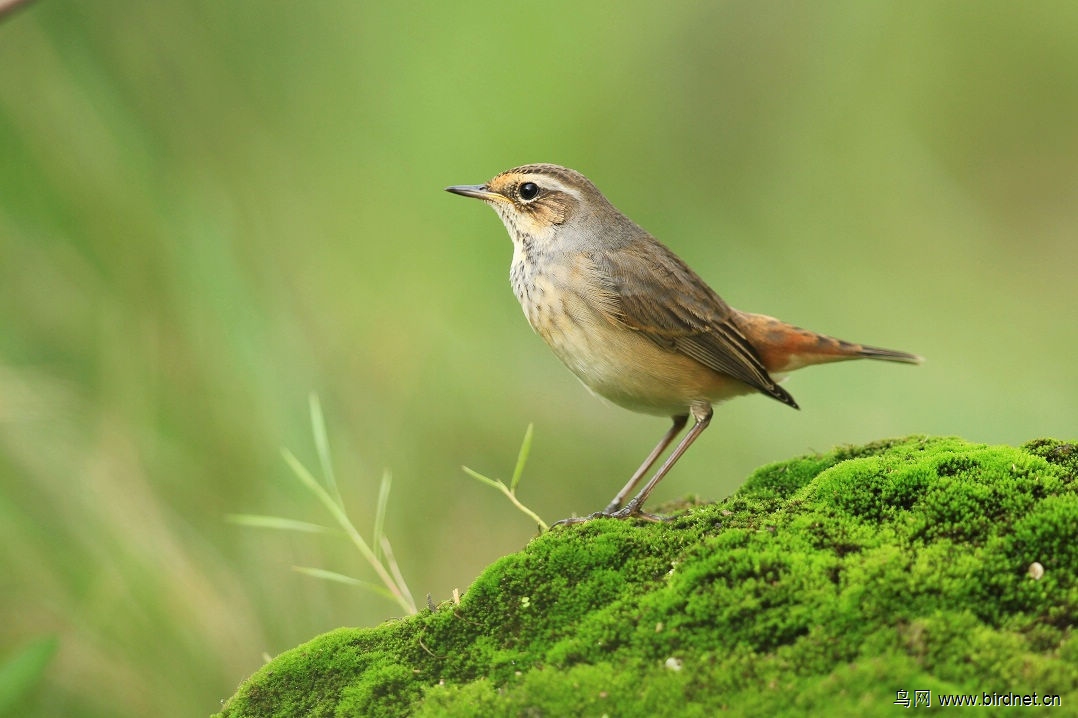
(627,368)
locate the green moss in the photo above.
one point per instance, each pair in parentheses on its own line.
(827,582)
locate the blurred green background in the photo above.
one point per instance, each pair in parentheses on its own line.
(210,209)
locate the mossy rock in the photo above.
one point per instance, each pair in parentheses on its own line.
(826,584)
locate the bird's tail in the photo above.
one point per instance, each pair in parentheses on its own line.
(888,355)
(784,347)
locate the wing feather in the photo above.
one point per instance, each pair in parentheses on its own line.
(650,290)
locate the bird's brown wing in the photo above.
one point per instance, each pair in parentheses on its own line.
(650,290)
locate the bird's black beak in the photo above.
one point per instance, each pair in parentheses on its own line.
(479,191)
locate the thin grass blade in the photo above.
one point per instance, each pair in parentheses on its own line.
(321,443)
(380,513)
(522,458)
(349,528)
(276,522)
(479,477)
(395,569)
(342,578)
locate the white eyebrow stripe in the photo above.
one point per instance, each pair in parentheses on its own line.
(552,183)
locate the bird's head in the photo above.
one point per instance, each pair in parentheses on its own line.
(538,201)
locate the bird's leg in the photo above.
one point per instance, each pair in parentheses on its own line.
(673,431)
(702,415)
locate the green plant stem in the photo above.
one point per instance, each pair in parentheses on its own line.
(510,494)
(341,517)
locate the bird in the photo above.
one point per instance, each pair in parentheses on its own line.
(634,322)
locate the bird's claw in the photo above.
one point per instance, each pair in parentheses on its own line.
(626,512)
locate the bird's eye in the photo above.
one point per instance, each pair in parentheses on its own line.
(528,191)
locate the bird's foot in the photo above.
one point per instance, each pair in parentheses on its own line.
(629,511)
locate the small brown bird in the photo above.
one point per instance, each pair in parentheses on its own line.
(632,321)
